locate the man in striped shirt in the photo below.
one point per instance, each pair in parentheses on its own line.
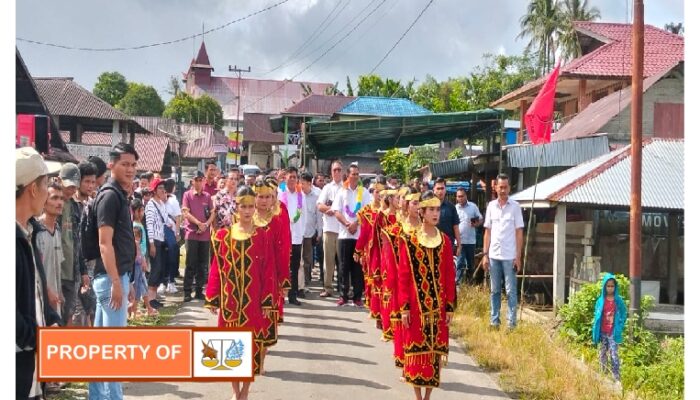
(156,215)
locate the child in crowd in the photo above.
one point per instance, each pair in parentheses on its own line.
(141,262)
(608,324)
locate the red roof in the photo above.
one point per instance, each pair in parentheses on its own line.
(202,57)
(318,104)
(257,129)
(151,148)
(259,95)
(613,59)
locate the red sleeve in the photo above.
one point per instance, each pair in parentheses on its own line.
(404,276)
(389,258)
(365,232)
(267,266)
(213,292)
(447,272)
(375,252)
(284,249)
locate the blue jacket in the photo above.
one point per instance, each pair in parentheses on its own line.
(620,313)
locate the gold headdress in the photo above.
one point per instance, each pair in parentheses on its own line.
(434,202)
(412,197)
(263,190)
(245,200)
(377,186)
(404,191)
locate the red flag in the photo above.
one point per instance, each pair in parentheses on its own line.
(540,116)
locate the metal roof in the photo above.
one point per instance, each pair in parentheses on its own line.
(257,129)
(451,167)
(318,104)
(605,181)
(564,153)
(338,138)
(64,97)
(383,107)
(150,148)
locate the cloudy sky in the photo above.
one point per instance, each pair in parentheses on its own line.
(447,41)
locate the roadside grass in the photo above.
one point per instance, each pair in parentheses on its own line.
(531,363)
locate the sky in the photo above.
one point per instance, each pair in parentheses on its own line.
(447,41)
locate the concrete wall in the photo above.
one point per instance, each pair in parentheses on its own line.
(669,90)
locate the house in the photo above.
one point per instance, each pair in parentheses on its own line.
(257,96)
(604,68)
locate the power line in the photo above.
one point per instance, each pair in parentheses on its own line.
(108,49)
(317,58)
(317,32)
(402,36)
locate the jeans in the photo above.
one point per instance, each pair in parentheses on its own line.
(350,271)
(466,259)
(499,269)
(172,257)
(105,316)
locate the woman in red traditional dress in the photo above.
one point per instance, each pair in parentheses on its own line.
(426,298)
(238,289)
(365,249)
(383,220)
(391,240)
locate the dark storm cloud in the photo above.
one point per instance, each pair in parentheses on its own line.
(449,40)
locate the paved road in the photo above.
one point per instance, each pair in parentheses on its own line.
(325,352)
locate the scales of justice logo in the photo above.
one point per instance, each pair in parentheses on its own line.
(215,358)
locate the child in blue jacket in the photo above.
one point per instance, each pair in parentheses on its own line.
(608,323)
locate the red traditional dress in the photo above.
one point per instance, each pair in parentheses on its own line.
(238,285)
(391,311)
(426,275)
(368,252)
(382,220)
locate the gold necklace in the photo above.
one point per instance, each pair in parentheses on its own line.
(427,241)
(240,233)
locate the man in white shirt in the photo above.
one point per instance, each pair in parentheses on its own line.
(469,219)
(346,205)
(293,198)
(503,245)
(331,227)
(312,230)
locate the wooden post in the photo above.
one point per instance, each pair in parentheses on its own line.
(115,132)
(582,98)
(559,262)
(472,187)
(523,110)
(673,258)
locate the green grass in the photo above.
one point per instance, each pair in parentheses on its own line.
(164,316)
(73,391)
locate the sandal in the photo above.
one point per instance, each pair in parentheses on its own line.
(324,294)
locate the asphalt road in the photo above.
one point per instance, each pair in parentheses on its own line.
(325,352)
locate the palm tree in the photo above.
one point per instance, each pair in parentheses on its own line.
(541,23)
(678,28)
(574,10)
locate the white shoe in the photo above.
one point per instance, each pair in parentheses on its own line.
(171,288)
(161,289)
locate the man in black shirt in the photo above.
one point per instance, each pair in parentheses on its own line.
(449,219)
(117,252)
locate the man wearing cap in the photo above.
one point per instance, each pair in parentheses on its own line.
(156,220)
(33,310)
(198,210)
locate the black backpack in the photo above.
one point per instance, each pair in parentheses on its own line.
(89,234)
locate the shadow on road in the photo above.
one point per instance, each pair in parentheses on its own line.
(321,327)
(307,339)
(462,367)
(321,316)
(465,388)
(157,388)
(324,379)
(314,356)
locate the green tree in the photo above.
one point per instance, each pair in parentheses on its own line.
(574,10)
(141,100)
(541,22)
(455,154)
(678,28)
(421,156)
(209,111)
(349,86)
(181,108)
(395,162)
(110,87)
(333,91)
(174,86)
(374,85)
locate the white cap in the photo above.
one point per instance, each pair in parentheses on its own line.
(29,165)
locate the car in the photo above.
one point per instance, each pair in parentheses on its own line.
(249,169)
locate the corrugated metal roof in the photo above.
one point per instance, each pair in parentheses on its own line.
(451,167)
(564,153)
(317,104)
(605,181)
(64,97)
(596,115)
(257,129)
(383,107)
(613,59)
(151,148)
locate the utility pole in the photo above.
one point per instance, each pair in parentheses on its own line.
(238,71)
(636,152)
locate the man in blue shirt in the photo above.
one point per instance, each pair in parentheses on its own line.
(449,220)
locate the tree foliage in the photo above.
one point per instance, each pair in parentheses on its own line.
(374,85)
(456,153)
(110,87)
(349,86)
(141,100)
(676,28)
(174,86)
(574,10)
(420,157)
(394,162)
(203,110)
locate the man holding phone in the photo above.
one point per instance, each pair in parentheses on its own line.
(503,245)
(469,219)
